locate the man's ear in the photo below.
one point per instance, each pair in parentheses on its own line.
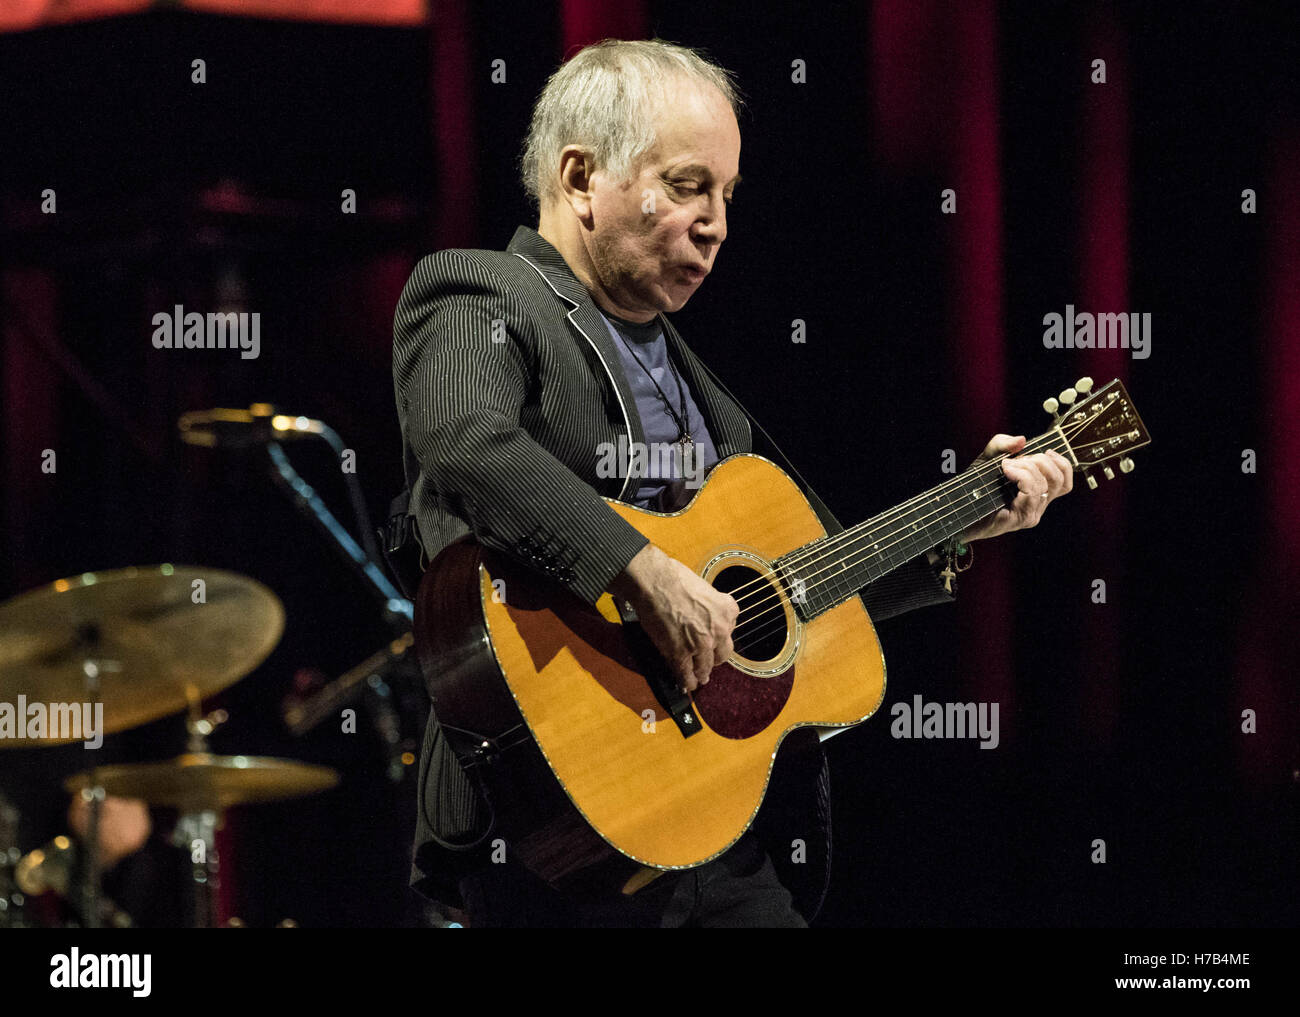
(577,166)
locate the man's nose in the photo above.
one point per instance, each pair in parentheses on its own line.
(712,228)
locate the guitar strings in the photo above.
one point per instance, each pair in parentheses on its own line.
(984,470)
(772,618)
(828,547)
(993,468)
(987,468)
(843,549)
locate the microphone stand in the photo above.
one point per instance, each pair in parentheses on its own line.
(398,611)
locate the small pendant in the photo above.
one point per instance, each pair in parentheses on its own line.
(947,575)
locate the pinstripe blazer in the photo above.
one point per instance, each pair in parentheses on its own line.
(507,382)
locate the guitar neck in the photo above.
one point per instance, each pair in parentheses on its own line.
(832,569)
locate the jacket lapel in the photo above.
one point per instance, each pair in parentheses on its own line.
(583,316)
(727,423)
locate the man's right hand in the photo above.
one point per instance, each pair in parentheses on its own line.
(688,621)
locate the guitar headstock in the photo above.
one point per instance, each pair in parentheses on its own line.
(1102,426)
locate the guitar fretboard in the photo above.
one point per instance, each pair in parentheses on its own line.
(828,571)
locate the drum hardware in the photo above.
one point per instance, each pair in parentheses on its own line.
(317,701)
(140,643)
(12,913)
(201,786)
(52,869)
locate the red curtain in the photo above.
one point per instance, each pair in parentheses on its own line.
(586,21)
(934,85)
(1267,659)
(1103,287)
(21,15)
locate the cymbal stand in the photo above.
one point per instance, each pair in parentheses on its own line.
(93,795)
(196,829)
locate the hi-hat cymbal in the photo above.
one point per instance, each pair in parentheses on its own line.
(199,781)
(155,636)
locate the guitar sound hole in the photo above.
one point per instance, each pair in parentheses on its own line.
(760,631)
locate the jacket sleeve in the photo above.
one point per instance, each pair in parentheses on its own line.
(911,585)
(462,370)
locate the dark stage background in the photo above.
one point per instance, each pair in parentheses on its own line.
(1120,721)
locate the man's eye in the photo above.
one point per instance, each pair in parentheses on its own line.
(691,187)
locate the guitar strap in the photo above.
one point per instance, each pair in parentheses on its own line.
(400,545)
(829,521)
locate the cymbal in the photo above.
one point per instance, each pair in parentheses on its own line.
(151,645)
(199,781)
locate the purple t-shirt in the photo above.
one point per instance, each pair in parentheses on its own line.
(671,474)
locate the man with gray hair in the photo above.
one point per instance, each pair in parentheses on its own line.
(513,368)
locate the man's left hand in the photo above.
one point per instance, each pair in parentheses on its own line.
(1041,478)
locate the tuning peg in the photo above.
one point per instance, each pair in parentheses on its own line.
(1051,406)
(1092,481)
(1126,465)
(1110,474)
(1083,386)
(1068,396)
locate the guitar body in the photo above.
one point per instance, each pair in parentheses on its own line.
(565,711)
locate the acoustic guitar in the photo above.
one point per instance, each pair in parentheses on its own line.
(591,757)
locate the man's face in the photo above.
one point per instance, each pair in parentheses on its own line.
(654,237)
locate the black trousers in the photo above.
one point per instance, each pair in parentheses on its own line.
(737,890)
